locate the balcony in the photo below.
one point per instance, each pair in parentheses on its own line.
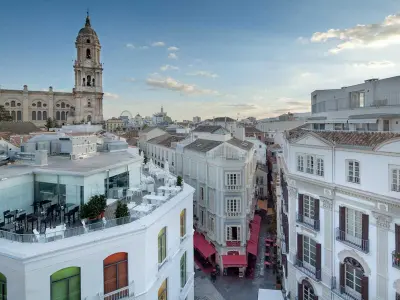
(352,241)
(233,214)
(308,222)
(233,187)
(343,292)
(396,260)
(187,286)
(307,269)
(124,293)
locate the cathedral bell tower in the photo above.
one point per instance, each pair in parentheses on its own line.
(88,91)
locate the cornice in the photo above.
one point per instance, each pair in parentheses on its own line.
(382,221)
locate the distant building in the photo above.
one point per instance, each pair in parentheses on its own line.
(226,122)
(196,120)
(114,124)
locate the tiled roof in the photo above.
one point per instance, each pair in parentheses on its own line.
(251,129)
(159,138)
(208,128)
(222,119)
(201,145)
(348,138)
(245,145)
(149,128)
(18,127)
(171,139)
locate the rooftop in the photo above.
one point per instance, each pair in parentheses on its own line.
(346,138)
(201,145)
(245,145)
(208,128)
(18,127)
(251,129)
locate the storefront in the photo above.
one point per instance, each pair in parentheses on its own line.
(204,252)
(234,264)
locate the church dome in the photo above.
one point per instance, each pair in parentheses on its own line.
(87,32)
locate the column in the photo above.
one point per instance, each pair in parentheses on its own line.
(382,256)
(328,238)
(292,202)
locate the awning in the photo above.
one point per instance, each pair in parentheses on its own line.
(201,244)
(262,204)
(234,261)
(252,247)
(252,243)
(362,121)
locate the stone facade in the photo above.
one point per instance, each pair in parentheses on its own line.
(85,103)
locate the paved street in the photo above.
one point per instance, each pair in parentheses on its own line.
(204,289)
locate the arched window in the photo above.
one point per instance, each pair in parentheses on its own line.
(63,115)
(62,105)
(93,82)
(88,41)
(306,291)
(39,104)
(353,282)
(34,116)
(3,286)
(162,245)
(58,117)
(13,115)
(66,115)
(13,103)
(89,104)
(183,270)
(88,80)
(45,115)
(88,54)
(89,118)
(116,274)
(66,284)
(83,82)
(183,222)
(19,115)
(163,291)
(39,115)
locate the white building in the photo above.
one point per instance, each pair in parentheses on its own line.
(148,255)
(85,103)
(222,172)
(226,122)
(339,190)
(148,134)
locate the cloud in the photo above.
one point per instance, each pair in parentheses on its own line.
(111,95)
(158,44)
(168,67)
(242,106)
(375,64)
(377,35)
(173,48)
(203,74)
(130,46)
(174,85)
(172,56)
(302,40)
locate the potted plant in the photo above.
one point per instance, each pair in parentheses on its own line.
(179,181)
(94,208)
(121,212)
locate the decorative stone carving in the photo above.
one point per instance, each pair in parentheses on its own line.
(383,206)
(328,192)
(292,192)
(292,182)
(326,203)
(342,255)
(382,221)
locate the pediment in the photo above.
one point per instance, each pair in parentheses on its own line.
(312,140)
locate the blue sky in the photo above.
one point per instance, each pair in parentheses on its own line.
(236,58)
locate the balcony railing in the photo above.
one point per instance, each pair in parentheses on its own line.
(123,293)
(307,270)
(233,214)
(186,287)
(233,187)
(352,241)
(396,259)
(307,221)
(344,292)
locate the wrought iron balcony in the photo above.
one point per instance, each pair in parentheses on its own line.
(310,272)
(396,259)
(307,221)
(343,292)
(352,241)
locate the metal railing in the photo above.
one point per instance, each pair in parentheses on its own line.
(313,273)
(124,293)
(352,241)
(186,287)
(343,292)
(307,221)
(396,259)
(233,187)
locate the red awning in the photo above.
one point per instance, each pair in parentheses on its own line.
(234,261)
(252,244)
(201,244)
(252,247)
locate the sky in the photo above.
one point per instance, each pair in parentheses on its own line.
(208,58)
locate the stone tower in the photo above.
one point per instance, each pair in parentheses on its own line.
(88,91)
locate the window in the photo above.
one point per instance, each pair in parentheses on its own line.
(353,224)
(319,126)
(62,105)
(13,103)
(66,284)
(13,115)
(19,115)
(202,219)
(395,180)
(353,277)
(308,208)
(88,41)
(211,224)
(39,104)
(162,291)
(183,222)
(353,171)
(183,270)
(202,193)
(309,252)
(162,245)
(63,115)
(45,115)
(300,163)
(3,287)
(39,115)
(58,117)
(233,205)
(233,233)
(88,104)
(232,179)
(115,274)
(89,118)
(310,164)
(34,116)
(320,167)
(308,291)
(88,80)
(88,54)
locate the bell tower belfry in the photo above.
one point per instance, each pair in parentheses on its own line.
(88,90)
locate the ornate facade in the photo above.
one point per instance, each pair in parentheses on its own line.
(85,103)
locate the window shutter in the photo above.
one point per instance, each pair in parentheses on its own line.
(318,261)
(342,219)
(342,277)
(365,233)
(364,288)
(299,247)
(397,237)
(300,208)
(316,214)
(285,265)
(299,291)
